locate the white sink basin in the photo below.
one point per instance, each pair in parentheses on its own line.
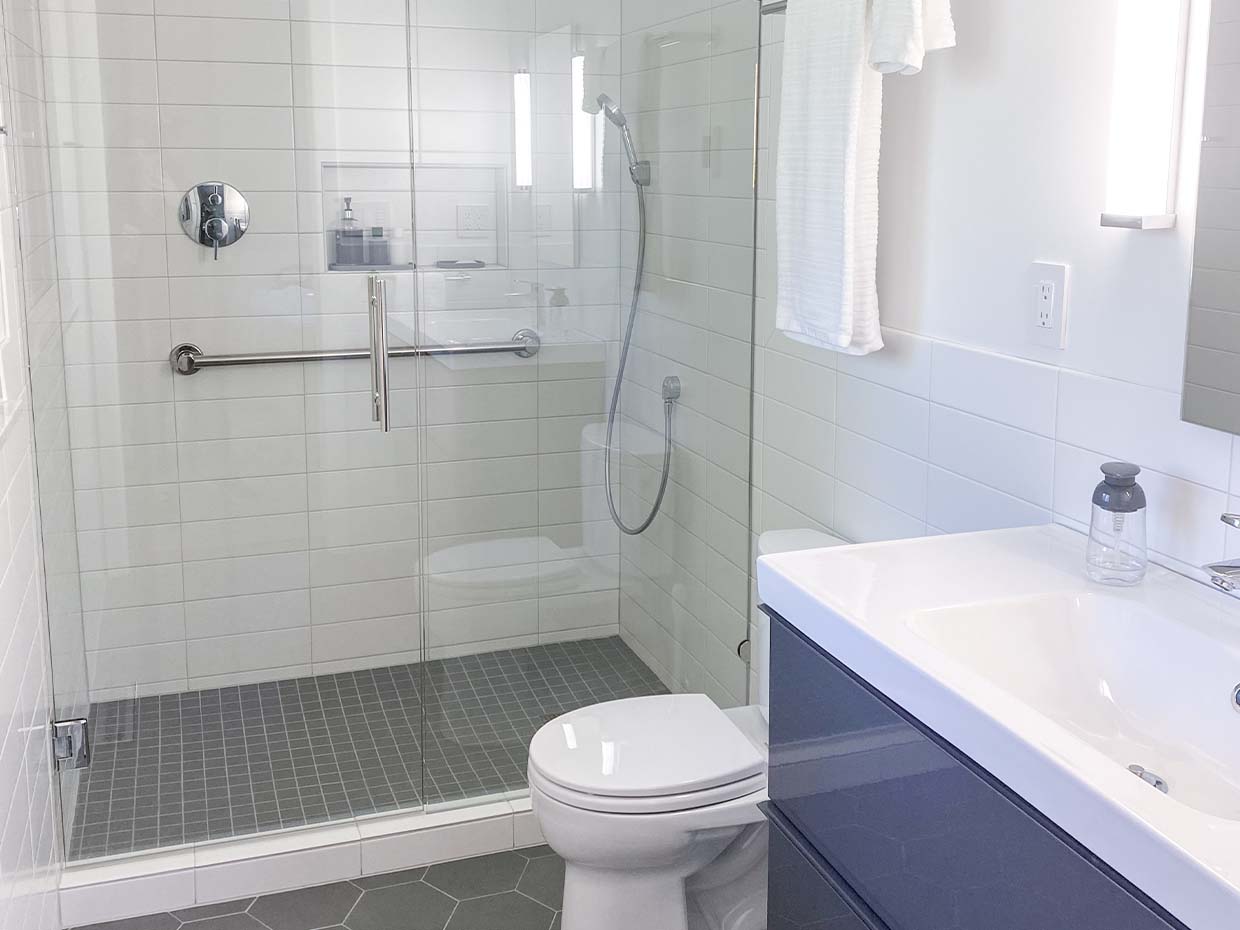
(1137,685)
(999,643)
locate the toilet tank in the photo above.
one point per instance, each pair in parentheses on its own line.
(773,542)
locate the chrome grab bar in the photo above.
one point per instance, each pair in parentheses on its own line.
(188,359)
(377,290)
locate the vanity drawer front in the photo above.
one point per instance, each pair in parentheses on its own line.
(926,838)
(804,891)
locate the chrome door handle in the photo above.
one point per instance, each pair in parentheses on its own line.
(380,412)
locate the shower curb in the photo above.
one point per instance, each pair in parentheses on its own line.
(132,885)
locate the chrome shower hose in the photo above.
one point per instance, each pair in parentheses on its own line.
(671,390)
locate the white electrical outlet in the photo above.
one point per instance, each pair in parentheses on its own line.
(1049,292)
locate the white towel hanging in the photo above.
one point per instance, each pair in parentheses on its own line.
(835,53)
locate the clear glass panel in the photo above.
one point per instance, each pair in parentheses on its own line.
(536,603)
(30,290)
(522,567)
(688,86)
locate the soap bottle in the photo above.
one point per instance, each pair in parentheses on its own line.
(350,244)
(1116,552)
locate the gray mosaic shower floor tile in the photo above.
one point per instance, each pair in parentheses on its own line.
(201,765)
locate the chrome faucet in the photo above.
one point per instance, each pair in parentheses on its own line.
(1226,575)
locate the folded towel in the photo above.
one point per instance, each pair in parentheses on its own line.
(938,24)
(897,36)
(902,31)
(835,54)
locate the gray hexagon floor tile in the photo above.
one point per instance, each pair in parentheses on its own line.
(535,852)
(402,907)
(507,911)
(308,908)
(203,911)
(471,878)
(153,922)
(227,922)
(519,890)
(389,878)
(544,881)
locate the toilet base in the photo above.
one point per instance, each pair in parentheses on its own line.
(629,871)
(599,899)
(730,893)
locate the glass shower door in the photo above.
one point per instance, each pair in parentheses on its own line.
(249,535)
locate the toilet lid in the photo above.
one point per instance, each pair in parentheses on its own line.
(645,747)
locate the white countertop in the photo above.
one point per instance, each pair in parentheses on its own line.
(998,642)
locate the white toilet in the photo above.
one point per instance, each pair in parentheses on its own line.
(652,802)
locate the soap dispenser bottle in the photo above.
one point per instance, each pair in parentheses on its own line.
(350,243)
(1116,552)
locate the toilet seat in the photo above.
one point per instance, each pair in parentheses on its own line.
(655,804)
(646,755)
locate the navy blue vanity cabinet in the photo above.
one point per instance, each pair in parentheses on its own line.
(801,889)
(913,833)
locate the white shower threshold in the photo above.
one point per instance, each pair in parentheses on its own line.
(173,878)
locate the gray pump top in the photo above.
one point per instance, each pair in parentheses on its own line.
(1119,491)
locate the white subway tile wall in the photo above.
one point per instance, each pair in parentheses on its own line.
(249,524)
(30,613)
(687,86)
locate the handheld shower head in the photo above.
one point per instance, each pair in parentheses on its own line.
(639,171)
(612,111)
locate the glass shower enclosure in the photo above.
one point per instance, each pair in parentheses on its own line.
(340,540)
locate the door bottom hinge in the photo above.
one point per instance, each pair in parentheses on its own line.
(71,743)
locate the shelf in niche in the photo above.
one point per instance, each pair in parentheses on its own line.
(466,208)
(372,268)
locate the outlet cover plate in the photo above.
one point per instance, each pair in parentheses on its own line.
(1048,305)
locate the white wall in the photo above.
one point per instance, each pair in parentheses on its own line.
(29,859)
(251,524)
(994,158)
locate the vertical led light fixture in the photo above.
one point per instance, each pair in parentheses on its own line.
(523,130)
(583,129)
(1147,98)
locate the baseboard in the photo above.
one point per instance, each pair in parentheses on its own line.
(204,873)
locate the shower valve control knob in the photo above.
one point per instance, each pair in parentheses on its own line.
(216,230)
(214,214)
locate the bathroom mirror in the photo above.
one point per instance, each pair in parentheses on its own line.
(1212,363)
